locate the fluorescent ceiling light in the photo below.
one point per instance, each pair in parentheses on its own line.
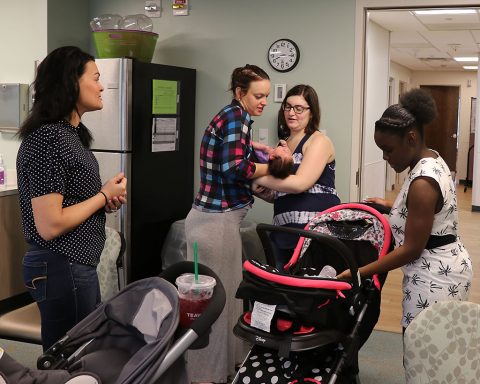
(470,67)
(473,58)
(445,12)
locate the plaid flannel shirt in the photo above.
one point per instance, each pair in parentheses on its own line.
(226,163)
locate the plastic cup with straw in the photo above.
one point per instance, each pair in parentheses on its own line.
(194,291)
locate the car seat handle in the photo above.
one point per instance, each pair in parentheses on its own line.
(344,252)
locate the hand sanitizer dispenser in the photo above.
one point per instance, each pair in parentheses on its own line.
(2,173)
(13,106)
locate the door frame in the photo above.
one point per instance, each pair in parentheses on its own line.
(362,8)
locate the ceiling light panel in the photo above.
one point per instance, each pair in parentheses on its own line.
(446,12)
(466,59)
(449,22)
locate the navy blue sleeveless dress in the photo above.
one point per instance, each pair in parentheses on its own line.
(296,209)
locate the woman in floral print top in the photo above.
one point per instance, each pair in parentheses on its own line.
(424,219)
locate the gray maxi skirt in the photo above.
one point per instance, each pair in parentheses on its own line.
(220,248)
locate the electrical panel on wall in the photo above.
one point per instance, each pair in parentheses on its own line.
(153,8)
(180,7)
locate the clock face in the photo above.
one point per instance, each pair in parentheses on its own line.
(283,55)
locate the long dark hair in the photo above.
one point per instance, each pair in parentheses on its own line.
(311,98)
(243,76)
(57,90)
(416,108)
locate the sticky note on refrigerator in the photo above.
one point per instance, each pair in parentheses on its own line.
(164,97)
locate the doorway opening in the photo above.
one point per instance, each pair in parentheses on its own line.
(430,55)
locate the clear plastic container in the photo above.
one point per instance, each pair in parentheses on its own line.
(106,21)
(137,22)
(328,272)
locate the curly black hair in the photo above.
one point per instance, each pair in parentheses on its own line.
(416,108)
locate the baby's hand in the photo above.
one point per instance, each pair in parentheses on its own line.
(281,150)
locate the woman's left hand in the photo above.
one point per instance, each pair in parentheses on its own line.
(115,204)
(345,275)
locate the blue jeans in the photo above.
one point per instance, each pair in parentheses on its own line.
(65,292)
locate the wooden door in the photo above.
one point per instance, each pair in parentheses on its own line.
(441,134)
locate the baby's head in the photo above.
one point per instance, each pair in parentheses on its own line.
(281,161)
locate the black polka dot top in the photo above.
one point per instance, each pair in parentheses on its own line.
(52,159)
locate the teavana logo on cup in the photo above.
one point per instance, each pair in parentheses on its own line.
(260,339)
(193,315)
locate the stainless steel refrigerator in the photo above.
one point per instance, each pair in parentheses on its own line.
(146,129)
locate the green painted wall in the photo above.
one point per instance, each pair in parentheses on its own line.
(220,35)
(68,24)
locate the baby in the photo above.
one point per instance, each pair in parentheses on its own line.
(280,164)
(279,159)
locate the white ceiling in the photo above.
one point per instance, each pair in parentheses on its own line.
(429,42)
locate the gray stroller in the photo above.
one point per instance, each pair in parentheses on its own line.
(131,339)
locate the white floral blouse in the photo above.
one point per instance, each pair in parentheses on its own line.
(442,273)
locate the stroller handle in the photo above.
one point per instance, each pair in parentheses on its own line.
(380,208)
(203,323)
(344,252)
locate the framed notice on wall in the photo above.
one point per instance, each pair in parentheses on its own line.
(473,114)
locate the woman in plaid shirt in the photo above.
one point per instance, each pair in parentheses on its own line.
(224,197)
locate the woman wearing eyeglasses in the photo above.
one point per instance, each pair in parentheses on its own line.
(311,186)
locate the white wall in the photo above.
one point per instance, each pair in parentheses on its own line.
(220,35)
(376,101)
(399,73)
(476,155)
(23,38)
(460,79)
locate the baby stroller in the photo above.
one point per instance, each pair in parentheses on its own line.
(307,328)
(130,339)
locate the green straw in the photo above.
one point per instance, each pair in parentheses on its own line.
(195,260)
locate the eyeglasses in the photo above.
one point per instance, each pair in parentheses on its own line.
(298,109)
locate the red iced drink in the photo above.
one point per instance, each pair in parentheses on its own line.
(194,296)
(190,310)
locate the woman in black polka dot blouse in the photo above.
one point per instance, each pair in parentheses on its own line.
(62,200)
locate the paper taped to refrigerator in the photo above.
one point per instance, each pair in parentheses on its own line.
(164,134)
(164,97)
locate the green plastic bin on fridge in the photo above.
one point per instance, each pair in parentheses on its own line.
(125,43)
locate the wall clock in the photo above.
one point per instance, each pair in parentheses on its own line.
(283,55)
